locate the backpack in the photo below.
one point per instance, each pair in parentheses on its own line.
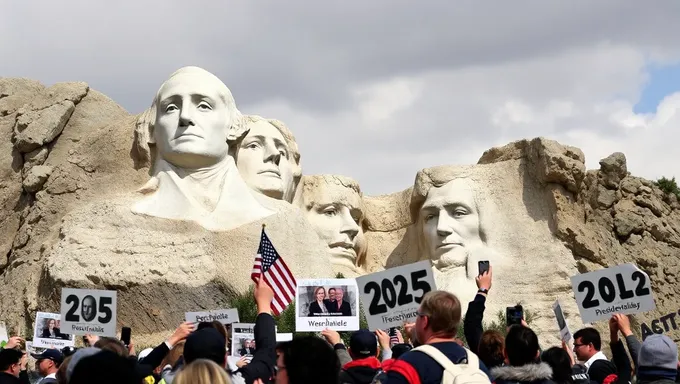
(457,373)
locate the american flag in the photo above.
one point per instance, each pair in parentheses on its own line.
(271,267)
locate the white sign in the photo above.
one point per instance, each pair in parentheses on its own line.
(326,303)
(622,289)
(224,316)
(393,296)
(3,335)
(88,311)
(281,337)
(243,339)
(565,335)
(47,332)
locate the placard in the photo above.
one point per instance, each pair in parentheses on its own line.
(281,337)
(88,311)
(565,334)
(392,297)
(47,332)
(224,316)
(243,339)
(4,338)
(326,303)
(622,289)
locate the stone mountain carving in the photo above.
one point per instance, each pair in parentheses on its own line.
(71,161)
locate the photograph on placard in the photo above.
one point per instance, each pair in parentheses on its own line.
(565,334)
(47,332)
(242,339)
(326,303)
(89,311)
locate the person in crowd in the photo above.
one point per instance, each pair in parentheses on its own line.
(318,306)
(13,365)
(61,372)
(561,363)
(105,367)
(522,359)
(632,341)
(437,322)
(51,330)
(658,361)
(331,298)
(306,359)
(587,347)
(490,349)
(47,364)
(214,324)
(472,327)
(171,360)
(202,371)
(247,350)
(112,344)
(364,366)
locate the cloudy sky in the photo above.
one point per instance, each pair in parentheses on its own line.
(377,90)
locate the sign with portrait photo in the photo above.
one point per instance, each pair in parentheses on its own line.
(88,311)
(47,332)
(565,335)
(621,289)
(243,339)
(392,297)
(326,303)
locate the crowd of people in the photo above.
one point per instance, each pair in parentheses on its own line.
(428,352)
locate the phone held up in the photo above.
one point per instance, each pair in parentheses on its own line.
(514,315)
(483,267)
(125,335)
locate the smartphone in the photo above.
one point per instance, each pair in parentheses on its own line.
(514,315)
(483,266)
(125,335)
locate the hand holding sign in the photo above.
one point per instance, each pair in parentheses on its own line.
(390,297)
(88,311)
(621,289)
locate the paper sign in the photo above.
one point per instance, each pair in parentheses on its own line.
(224,316)
(565,335)
(47,332)
(622,289)
(281,337)
(243,339)
(392,297)
(4,338)
(326,303)
(88,311)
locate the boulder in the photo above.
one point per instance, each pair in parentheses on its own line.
(36,177)
(37,128)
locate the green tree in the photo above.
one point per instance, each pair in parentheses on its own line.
(668,186)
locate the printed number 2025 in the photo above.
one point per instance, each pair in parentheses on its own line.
(608,290)
(387,290)
(103,308)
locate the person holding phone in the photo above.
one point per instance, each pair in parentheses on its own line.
(472,327)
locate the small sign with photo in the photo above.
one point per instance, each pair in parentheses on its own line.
(47,332)
(565,334)
(326,303)
(243,339)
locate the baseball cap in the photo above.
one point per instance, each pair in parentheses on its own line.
(363,343)
(51,354)
(206,343)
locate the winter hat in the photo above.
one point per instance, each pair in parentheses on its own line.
(76,357)
(658,357)
(206,343)
(363,343)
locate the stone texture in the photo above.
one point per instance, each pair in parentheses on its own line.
(15,93)
(10,188)
(613,169)
(37,128)
(36,177)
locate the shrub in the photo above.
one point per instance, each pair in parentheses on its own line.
(668,186)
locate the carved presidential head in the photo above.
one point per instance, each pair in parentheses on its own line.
(333,206)
(267,157)
(190,121)
(445,210)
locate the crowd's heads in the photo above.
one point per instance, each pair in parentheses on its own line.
(587,342)
(107,367)
(10,361)
(113,345)
(306,359)
(61,372)
(174,355)
(48,361)
(658,357)
(202,371)
(438,316)
(491,347)
(558,359)
(521,346)
(207,343)
(363,344)
(76,357)
(216,325)
(400,349)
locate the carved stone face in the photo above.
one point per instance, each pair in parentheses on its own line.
(263,160)
(192,120)
(450,223)
(336,216)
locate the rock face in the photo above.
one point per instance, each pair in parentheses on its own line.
(71,161)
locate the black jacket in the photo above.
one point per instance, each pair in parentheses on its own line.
(316,308)
(6,378)
(472,324)
(345,309)
(526,374)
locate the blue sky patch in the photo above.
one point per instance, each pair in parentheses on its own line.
(663,81)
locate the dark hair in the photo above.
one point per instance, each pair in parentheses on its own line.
(490,350)
(113,345)
(309,359)
(216,325)
(107,367)
(589,336)
(558,359)
(400,349)
(61,373)
(9,357)
(521,345)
